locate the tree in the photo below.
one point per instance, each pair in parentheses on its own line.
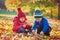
(2,5)
(58,3)
(29,6)
(13,4)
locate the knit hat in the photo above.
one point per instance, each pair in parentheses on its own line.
(37,14)
(20,13)
(37,8)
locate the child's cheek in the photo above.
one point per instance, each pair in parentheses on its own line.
(37,20)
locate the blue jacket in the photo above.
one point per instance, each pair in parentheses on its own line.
(44,23)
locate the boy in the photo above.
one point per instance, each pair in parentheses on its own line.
(41,24)
(20,23)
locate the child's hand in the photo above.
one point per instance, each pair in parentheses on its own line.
(41,33)
(24,25)
(31,24)
(26,29)
(34,32)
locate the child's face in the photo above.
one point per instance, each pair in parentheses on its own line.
(22,19)
(38,19)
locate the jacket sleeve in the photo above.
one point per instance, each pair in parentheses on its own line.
(28,26)
(45,23)
(16,26)
(34,27)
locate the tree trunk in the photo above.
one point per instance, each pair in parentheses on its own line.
(51,14)
(58,11)
(2,5)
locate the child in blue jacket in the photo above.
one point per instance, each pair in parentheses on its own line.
(41,24)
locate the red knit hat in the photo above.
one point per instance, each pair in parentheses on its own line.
(20,13)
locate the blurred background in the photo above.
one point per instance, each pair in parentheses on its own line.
(50,8)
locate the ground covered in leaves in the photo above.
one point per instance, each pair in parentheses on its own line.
(6,33)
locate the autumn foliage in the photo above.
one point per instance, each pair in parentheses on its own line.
(7,34)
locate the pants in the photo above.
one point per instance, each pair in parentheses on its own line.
(22,30)
(39,29)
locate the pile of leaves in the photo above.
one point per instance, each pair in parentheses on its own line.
(7,34)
